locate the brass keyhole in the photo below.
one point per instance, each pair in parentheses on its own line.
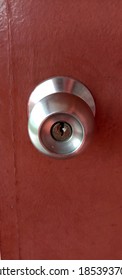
(61,131)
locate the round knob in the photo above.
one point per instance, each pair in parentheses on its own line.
(61,117)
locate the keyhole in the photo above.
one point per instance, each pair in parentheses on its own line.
(61,131)
(62,128)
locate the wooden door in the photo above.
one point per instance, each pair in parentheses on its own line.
(60,209)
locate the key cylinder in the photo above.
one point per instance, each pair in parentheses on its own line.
(61,131)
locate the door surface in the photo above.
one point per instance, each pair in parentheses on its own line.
(60,209)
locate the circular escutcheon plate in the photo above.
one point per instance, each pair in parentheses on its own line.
(61,84)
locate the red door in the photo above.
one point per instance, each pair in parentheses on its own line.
(60,209)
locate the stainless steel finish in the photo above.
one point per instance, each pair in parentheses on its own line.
(61,117)
(61,84)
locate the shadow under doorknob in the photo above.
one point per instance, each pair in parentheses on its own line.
(61,114)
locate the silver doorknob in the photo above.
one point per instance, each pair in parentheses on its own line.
(61,114)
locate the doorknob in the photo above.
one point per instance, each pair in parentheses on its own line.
(61,114)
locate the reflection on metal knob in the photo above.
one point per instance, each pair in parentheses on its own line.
(61,114)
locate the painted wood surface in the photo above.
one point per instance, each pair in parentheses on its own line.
(60,209)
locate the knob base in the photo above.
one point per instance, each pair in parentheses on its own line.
(61,84)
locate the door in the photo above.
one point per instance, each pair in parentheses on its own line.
(60,209)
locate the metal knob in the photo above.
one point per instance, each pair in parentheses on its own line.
(61,114)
